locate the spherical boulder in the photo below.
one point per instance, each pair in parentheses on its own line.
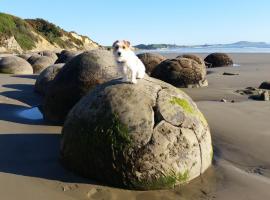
(66,56)
(49,54)
(193,57)
(218,60)
(265,85)
(39,63)
(25,56)
(149,135)
(75,79)
(181,72)
(150,61)
(15,65)
(45,78)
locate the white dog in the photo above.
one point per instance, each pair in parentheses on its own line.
(128,61)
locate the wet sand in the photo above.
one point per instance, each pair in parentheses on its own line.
(29,149)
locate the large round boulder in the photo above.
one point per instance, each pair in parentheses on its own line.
(45,78)
(66,56)
(39,63)
(48,54)
(25,56)
(265,85)
(193,57)
(75,79)
(149,135)
(150,61)
(15,65)
(218,60)
(181,72)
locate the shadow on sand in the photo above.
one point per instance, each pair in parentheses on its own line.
(32,76)
(23,93)
(35,155)
(12,114)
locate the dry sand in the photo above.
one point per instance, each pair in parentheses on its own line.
(29,149)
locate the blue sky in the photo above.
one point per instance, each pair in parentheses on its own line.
(153,21)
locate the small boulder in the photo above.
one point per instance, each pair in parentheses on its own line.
(148,135)
(229,74)
(181,72)
(150,61)
(15,65)
(66,55)
(45,78)
(75,79)
(218,60)
(39,63)
(265,85)
(265,96)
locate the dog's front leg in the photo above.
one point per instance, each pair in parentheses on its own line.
(133,76)
(125,73)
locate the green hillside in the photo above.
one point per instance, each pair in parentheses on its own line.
(21,30)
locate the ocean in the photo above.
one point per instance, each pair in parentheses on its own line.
(210,50)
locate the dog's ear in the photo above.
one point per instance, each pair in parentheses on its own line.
(127,43)
(115,43)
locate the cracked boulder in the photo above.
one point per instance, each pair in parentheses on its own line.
(76,79)
(193,57)
(181,72)
(150,135)
(150,61)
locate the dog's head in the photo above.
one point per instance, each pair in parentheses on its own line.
(121,50)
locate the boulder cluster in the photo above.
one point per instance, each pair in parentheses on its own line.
(148,135)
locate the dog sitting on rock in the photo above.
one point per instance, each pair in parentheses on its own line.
(127,60)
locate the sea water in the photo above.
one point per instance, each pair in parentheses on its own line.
(210,50)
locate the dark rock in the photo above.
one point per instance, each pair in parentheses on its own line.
(218,60)
(230,74)
(45,78)
(193,57)
(75,79)
(265,85)
(66,55)
(181,72)
(150,61)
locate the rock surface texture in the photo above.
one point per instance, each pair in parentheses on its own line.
(150,61)
(150,135)
(218,60)
(45,78)
(181,72)
(75,79)
(15,65)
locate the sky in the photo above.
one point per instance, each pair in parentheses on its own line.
(182,22)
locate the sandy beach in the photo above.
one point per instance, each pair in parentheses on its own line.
(29,148)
